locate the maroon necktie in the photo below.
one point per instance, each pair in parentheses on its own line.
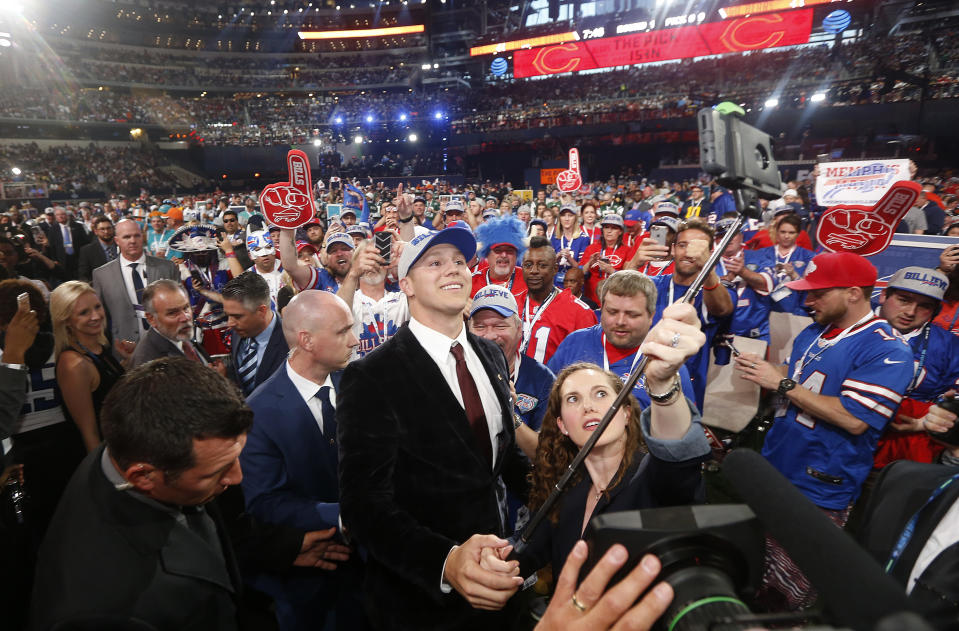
(190,353)
(473,404)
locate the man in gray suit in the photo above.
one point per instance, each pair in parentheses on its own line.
(120,283)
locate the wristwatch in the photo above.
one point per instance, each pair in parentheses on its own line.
(785,386)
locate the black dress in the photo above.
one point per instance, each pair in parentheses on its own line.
(110,372)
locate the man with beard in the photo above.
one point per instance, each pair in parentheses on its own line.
(339,259)
(548,314)
(628,299)
(694,241)
(377,313)
(171,327)
(841,387)
(502,243)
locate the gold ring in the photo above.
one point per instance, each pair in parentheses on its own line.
(577,604)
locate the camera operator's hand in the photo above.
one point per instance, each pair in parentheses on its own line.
(598,609)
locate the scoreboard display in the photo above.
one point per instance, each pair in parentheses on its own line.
(755,32)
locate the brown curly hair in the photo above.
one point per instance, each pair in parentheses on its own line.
(555,451)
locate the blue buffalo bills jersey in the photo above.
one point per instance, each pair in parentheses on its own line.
(577,245)
(669,292)
(320,278)
(533,383)
(586,345)
(936,362)
(868,367)
(750,307)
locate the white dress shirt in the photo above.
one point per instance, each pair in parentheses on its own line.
(127,273)
(308,389)
(438,346)
(945,534)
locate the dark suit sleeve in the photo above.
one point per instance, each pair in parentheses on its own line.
(368,434)
(266,482)
(13,392)
(85,265)
(259,546)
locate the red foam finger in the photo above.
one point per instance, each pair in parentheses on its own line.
(299,167)
(866,230)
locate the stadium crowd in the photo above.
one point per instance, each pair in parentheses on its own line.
(854,73)
(285,350)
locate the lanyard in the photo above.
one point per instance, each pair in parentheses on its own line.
(606,358)
(922,360)
(803,361)
(786,258)
(529,324)
(910,528)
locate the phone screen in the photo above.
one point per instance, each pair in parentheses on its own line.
(384,243)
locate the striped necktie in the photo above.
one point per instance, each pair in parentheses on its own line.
(247,370)
(138,291)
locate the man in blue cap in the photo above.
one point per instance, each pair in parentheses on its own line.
(427,452)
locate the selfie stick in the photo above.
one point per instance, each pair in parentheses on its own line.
(743,201)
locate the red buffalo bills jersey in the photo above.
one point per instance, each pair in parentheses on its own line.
(546,328)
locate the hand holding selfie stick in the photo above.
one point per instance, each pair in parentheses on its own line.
(719,134)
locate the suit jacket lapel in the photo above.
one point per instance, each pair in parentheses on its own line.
(293,403)
(426,376)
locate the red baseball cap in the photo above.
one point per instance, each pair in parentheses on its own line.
(836,269)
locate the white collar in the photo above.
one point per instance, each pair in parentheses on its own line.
(141,261)
(307,387)
(436,344)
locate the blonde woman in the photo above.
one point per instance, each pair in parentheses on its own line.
(86,366)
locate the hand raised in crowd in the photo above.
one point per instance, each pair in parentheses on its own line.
(650,250)
(223,242)
(366,259)
(20,334)
(482,587)
(124,349)
(698,251)
(734,265)
(949,258)
(319,550)
(599,608)
(674,339)
(754,368)
(404,205)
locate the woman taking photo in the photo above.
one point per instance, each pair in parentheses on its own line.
(604,257)
(86,366)
(569,241)
(665,438)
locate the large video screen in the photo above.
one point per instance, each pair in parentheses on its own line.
(756,32)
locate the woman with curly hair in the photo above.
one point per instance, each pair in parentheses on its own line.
(645,458)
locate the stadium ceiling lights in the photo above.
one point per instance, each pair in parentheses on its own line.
(412,137)
(771,102)
(368,32)
(818,97)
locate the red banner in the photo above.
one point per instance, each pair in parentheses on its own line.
(713,38)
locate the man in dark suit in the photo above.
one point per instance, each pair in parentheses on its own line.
(427,451)
(171,326)
(290,459)
(66,238)
(120,283)
(101,251)
(136,505)
(257,347)
(149,505)
(924,557)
